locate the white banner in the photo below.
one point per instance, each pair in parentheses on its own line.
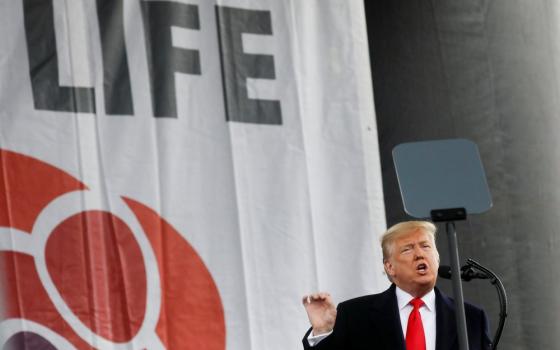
(177,174)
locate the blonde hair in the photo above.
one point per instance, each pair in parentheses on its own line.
(402,228)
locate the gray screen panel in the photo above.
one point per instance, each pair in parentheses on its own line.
(441,174)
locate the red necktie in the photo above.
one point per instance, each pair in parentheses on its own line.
(415,339)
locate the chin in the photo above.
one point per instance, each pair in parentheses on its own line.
(427,281)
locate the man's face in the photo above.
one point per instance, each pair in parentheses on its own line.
(414,262)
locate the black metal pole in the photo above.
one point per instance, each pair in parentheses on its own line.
(457,287)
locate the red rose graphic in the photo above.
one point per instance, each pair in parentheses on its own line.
(77,274)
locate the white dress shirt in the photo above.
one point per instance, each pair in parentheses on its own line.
(427,312)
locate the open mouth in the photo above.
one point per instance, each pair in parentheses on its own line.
(422,268)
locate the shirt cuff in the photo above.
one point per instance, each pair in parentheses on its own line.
(315,339)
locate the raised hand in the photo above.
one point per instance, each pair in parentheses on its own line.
(321,312)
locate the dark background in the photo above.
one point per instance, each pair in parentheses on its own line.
(488,71)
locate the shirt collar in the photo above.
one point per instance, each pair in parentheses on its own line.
(403,299)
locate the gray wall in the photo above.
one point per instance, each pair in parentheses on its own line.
(488,71)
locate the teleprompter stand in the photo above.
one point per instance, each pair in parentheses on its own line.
(443,180)
(450,216)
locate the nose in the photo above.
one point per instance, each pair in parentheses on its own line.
(418,253)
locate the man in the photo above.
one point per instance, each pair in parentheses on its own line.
(412,314)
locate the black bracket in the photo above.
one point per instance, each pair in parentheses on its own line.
(452,214)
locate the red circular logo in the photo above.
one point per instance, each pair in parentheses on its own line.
(81,270)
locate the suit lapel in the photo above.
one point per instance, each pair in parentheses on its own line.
(385,317)
(446,328)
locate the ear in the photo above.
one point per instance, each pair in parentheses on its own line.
(389,269)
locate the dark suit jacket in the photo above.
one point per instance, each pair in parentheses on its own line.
(373,322)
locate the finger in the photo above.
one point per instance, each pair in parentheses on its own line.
(319,296)
(308,299)
(316,296)
(322,296)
